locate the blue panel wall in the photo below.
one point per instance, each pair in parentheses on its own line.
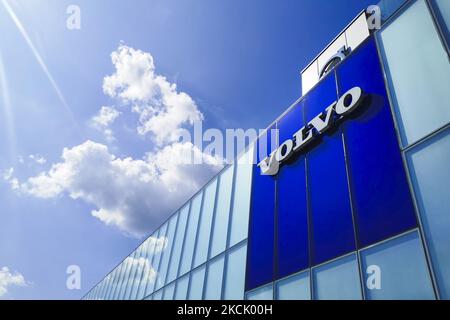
(332,198)
(329,200)
(292,223)
(381,209)
(260,254)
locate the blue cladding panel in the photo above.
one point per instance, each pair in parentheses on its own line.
(261,236)
(380,193)
(329,201)
(292,217)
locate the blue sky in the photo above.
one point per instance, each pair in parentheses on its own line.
(237,63)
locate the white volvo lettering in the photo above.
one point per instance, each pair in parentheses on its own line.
(348,103)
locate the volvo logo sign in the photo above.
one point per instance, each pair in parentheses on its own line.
(349,102)
(333,61)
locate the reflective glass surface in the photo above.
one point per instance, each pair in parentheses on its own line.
(262,293)
(443,14)
(169,291)
(401,268)
(182,288)
(165,258)
(296,287)
(178,244)
(241,202)
(158,295)
(204,229)
(191,234)
(149,281)
(337,280)
(213,286)
(196,284)
(430,174)
(136,273)
(418,71)
(220,229)
(381,209)
(235,274)
(147,267)
(131,274)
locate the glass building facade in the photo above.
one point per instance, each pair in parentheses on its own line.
(362,213)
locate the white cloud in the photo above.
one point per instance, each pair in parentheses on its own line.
(8,279)
(105,116)
(8,176)
(162,110)
(132,194)
(103,119)
(37,158)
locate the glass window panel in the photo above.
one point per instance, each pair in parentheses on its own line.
(123,282)
(402,267)
(142,261)
(182,287)
(389,7)
(220,229)
(145,271)
(443,13)
(204,230)
(99,287)
(94,293)
(430,175)
(296,287)
(381,197)
(261,229)
(241,201)
(330,210)
(160,246)
(262,293)
(169,291)
(134,260)
(165,258)
(418,71)
(158,295)
(196,284)
(131,264)
(110,285)
(114,282)
(118,281)
(292,244)
(101,290)
(235,274)
(178,244)
(109,281)
(337,280)
(191,232)
(213,287)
